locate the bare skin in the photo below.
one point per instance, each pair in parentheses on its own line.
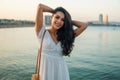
(57,21)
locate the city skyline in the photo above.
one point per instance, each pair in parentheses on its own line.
(84,10)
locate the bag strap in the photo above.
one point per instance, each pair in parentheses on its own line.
(39,55)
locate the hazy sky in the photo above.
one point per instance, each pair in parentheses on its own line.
(84,10)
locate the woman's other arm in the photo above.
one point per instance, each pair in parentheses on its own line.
(39,16)
(81,26)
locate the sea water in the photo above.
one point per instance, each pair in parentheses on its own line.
(96,54)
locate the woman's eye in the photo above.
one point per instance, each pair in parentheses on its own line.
(57,17)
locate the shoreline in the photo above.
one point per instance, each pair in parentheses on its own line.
(32,25)
(17,26)
(11,23)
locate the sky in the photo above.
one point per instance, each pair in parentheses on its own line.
(83,10)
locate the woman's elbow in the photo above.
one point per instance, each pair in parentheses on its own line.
(85,25)
(40,5)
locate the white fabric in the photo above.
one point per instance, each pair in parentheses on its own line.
(53,66)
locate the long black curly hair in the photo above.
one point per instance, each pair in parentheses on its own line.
(66,33)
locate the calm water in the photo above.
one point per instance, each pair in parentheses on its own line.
(96,55)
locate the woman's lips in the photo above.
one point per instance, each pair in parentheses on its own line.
(58,25)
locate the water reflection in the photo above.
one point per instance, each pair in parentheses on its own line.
(95,56)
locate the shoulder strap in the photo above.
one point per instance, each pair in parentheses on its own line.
(39,55)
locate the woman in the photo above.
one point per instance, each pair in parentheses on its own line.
(57,42)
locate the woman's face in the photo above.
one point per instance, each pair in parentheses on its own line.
(57,20)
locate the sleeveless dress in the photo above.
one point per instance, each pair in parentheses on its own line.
(53,65)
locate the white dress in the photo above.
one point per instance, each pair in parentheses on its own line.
(53,66)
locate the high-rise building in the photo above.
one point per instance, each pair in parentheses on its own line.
(106,19)
(47,20)
(100,19)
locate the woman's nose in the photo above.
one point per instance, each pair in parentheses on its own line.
(59,20)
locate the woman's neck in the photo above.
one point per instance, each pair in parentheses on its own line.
(52,30)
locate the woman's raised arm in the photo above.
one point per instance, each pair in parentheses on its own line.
(39,16)
(81,26)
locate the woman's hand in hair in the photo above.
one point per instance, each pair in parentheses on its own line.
(81,26)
